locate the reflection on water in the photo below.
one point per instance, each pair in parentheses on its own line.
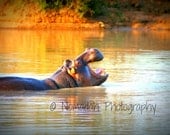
(134,99)
(31,50)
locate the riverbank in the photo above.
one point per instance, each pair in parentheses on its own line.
(28,15)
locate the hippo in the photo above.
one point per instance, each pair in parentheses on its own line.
(73,73)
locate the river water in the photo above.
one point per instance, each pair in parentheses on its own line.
(134,100)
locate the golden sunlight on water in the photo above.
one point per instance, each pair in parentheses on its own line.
(40,51)
(44,51)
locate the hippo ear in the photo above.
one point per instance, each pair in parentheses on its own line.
(67,63)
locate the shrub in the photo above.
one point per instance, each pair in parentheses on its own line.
(83,7)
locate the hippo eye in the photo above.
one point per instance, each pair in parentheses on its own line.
(77,63)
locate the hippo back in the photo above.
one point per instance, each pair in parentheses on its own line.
(18,83)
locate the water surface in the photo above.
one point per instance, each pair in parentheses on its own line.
(134,100)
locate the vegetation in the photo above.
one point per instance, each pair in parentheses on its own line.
(83,7)
(148,6)
(85,13)
(113,9)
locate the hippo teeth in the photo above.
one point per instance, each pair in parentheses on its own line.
(100,71)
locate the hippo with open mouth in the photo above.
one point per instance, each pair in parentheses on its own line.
(75,73)
(81,71)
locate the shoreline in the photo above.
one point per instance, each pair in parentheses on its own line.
(159,24)
(87,26)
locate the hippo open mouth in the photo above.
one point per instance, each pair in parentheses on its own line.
(98,76)
(81,71)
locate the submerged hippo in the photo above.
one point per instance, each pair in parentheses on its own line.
(74,73)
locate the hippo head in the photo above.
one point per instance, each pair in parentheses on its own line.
(80,70)
(90,55)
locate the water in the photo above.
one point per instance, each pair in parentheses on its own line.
(134,100)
